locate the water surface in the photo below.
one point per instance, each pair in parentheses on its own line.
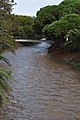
(42,89)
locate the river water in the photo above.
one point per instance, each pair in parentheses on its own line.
(42,89)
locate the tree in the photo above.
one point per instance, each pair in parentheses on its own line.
(58,29)
(68,7)
(45,16)
(22,27)
(49,14)
(37,27)
(6,22)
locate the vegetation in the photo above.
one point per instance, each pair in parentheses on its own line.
(58,29)
(22,27)
(5,43)
(44,17)
(68,19)
(73,39)
(59,23)
(68,7)
(4,87)
(35,27)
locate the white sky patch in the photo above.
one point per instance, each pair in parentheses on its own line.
(30,7)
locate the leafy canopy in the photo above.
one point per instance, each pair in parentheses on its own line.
(58,29)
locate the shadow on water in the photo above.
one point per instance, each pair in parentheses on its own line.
(28,43)
(42,89)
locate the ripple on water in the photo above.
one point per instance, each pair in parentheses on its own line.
(42,89)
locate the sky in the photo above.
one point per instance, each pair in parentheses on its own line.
(30,7)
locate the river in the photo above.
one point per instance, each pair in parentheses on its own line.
(42,89)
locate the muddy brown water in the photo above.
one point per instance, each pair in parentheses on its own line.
(42,89)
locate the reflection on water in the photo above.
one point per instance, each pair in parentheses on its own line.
(42,90)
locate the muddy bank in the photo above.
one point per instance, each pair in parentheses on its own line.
(71,58)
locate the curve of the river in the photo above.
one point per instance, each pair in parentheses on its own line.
(42,89)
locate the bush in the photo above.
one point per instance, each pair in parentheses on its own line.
(4,76)
(58,29)
(73,39)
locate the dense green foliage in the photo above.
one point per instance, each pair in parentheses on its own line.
(68,19)
(44,17)
(73,39)
(5,43)
(68,7)
(58,29)
(22,27)
(50,14)
(6,23)
(4,87)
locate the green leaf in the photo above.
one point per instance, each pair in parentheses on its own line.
(4,73)
(4,59)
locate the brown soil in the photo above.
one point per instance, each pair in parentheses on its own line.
(63,54)
(68,57)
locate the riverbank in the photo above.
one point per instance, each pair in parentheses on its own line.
(67,57)
(42,88)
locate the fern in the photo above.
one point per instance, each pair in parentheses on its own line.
(4,45)
(6,42)
(4,87)
(4,73)
(4,59)
(3,98)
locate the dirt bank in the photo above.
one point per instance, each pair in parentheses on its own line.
(67,57)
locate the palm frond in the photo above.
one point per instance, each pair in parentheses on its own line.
(4,73)
(4,59)
(6,46)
